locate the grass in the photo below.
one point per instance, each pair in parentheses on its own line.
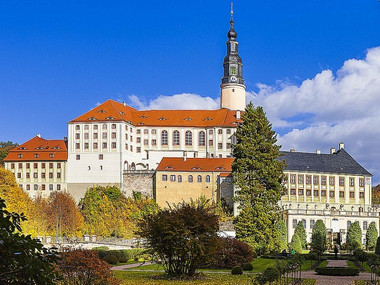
(351,264)
(148,278)
(260,264)
(323,264)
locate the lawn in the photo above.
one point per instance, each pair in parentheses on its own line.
(149,278)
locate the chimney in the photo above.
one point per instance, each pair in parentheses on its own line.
(238,115)
(332,150)
(125,104)
(39,135)
(184,156)
(292,150)
(341,145)
(318,151)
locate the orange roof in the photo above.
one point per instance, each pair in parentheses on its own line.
(115,111)
(226,174)
(195,164)
(39,149)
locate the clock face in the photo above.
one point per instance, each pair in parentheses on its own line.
(233,79)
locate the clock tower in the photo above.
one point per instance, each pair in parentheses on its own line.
(232,87)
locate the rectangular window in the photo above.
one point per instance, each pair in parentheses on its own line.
(43,187)
(210,142)
(104,145)
(20,165)
(228,145)
(113,135)
(50,165)
(104,135)
(35,187)
(332,194)
(146,131)
(138,131)
(308,192)
(361,182)
(113,145)
(27,186)
(100,156)
(95,136)
(126,146)
(58,165)
(131,148)
(352,194)
(95,146)
(146,142)
(172,178)
(220,145)
(292,178)
(43,175)
(51,187)
(28,165)
(316,193)
(154,132)
(341,194)
(300,179)
(292,191)
(126,137)
(131,138)
(308,179)
(58,186)
(50,174)
(138,140)
(300,192)
(361,195)
(86,136)
(323,180)
(294,222)
(164,177)
(86,146)
(138,149)
(220,131)
(341,181)
(228,131)
(77,146)
(12,166)
(59,175)
(332,181)
(28,175)
(18,175)
(312,222)
(43,165)
(78,157)
(35,175)
(323,193)
(77,136)
(154,142)
(210,132)
(316,180)
(35,165)
(352,182)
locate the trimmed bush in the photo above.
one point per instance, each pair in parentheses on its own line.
(111,259)
(230,252)
(247,267)
(237,270)
(100,248)
(337,271)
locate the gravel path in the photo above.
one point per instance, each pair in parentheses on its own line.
(133,265)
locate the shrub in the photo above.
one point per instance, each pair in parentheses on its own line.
(377,249)
(230,252)
(318,238)
(354,236)
(295,243)
(361,255)
(111,259)
(84,267)
(371,236)
(101,248)
(337,271)
(237,270)
(270,275)
(301,232)
(247,267)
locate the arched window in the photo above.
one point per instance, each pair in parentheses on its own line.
(294,222)
(164,138)
(176,138)
(202,138)
(113,126)
(365,226)
(207,178)
(190,178)
(95,127)
(104,126)
(348,224)
(179,178)
(189,138)
(199,178)
(304,224)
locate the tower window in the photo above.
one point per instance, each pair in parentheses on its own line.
(233,70)
(233,90)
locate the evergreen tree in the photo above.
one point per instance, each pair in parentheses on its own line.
(282,235)
(301,232)
(354,236)
(371,236)
(258,173)
(318,238)
(295,244)
(377,250)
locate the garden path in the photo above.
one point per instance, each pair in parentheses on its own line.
(337,263)
(133,265)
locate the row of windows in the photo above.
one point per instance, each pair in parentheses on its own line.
(95,136)
(312,223)
(35,165)
(95,145)
(322,180)
(301,192)
(95,127)
(42,187)
(36,155)
(35,175)
(190,178)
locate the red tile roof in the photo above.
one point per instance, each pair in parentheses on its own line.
(195,164)
(39,149)
(115,111)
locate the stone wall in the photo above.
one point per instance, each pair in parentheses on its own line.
(138,181)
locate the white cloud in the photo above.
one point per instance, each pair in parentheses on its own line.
(341,107)
(184,101)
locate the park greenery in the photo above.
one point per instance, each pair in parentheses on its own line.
(371,236)
(354,236)
(318,238)
(301,232)
(5,147)
(258,175)
(282,238)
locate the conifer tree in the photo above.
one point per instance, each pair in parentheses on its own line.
(371,236)
(258,174)
(377,250)
(318,238)
(295,244)
(301,232)
(354,236)
(282,234)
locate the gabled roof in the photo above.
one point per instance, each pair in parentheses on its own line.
(115,111)
(38,149)
(195,164)
(339,162)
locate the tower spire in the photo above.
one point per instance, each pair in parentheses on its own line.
(233,88)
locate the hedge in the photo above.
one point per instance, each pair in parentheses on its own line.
(337,271)
(123,255)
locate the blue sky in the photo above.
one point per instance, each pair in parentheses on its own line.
(60,58)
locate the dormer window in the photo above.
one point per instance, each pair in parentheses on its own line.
(143,117)
(51,155)
(140,124)
(122,113)
(208,119)
(196,168)
(36,155)
(162,119)
(110,118)
(102,111)
(56,147)
(168,167)
(39,147)
(20,155)
(22,147)
(188,119)
(220,168)
(92,119)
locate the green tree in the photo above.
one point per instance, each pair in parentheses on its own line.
(258,174)
(318,238)
(184,237)
(301,232)
(282,234)
(371,236)
(377,250)
(296,243)
(354,236)
(23,260)
(5,147)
